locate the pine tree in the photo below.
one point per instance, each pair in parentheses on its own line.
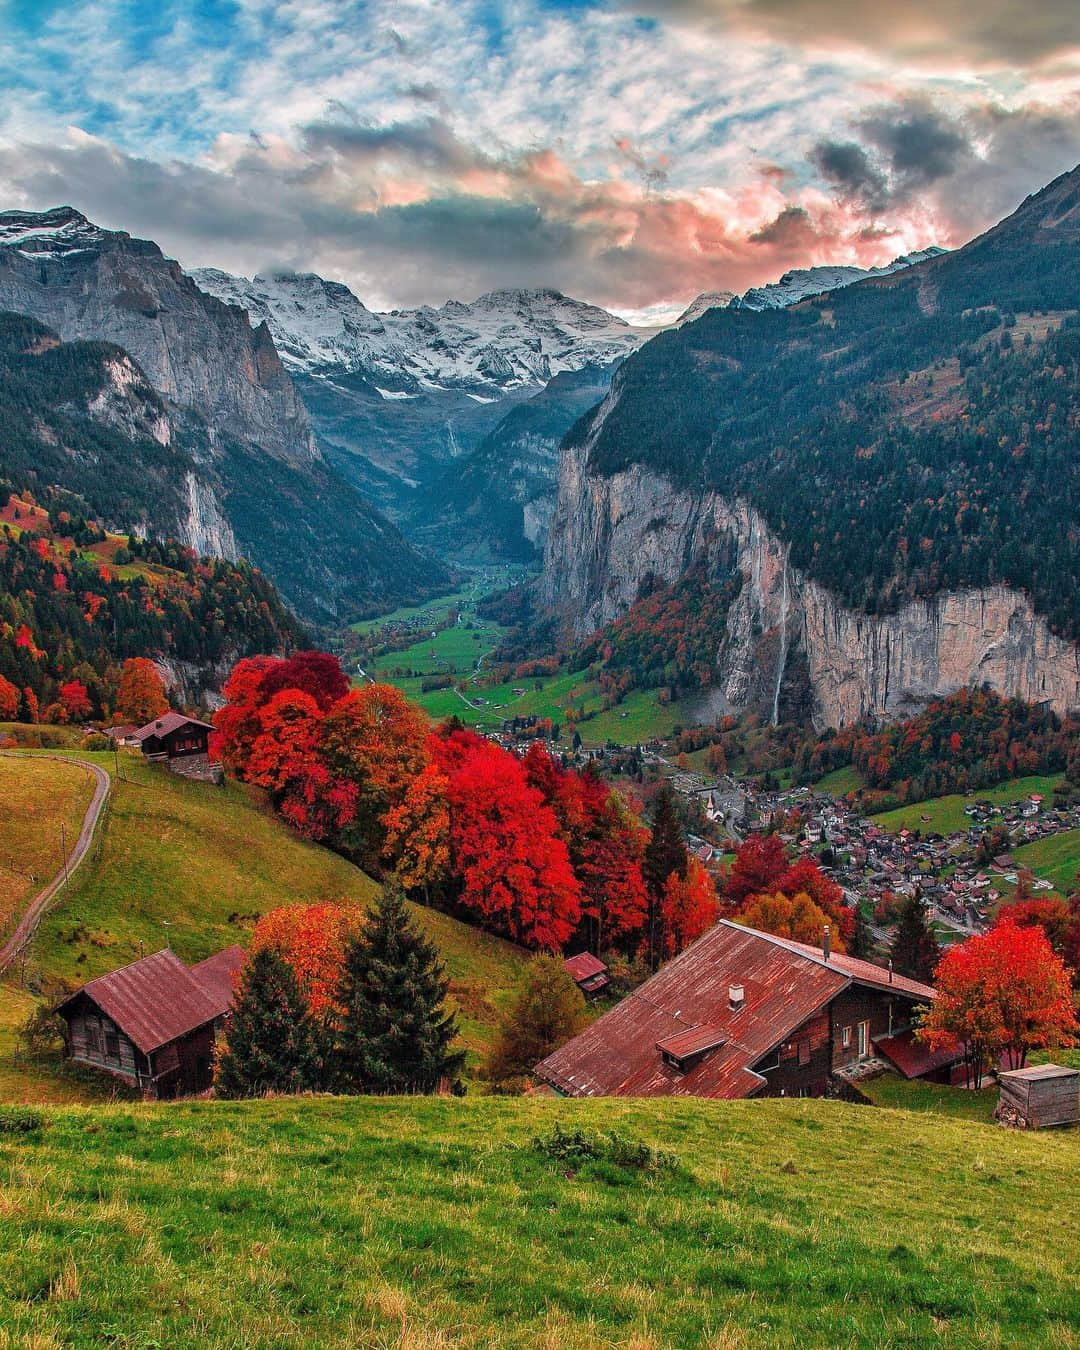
(914,951)
(547,1012)
(861,941)
(665,853)
(394,1034)
(272,1043)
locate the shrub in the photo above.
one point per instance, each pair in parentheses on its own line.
(95,741)
(577,1147)
(20,1120)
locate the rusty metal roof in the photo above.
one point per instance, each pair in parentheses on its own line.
(170,721)
(913,1057)
(784,984)
(584,966)
(155,1000)
(219,973)
(693,1042)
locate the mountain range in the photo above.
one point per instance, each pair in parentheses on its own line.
(888,471)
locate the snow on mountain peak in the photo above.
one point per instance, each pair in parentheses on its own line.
(55,232)
(504,339)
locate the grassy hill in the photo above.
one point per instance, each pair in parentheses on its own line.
(945,815)
(427,1222)
(191,866)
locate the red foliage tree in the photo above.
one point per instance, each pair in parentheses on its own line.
(1003,992)
(283,750)
(513,867)
(1059,920)
(689,907)
(9,701)
(75,701)
(760,861)
(238,724)
(316,673)
(312,940)
(417,841)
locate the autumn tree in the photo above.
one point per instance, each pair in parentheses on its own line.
(317,674)
(9,701)
(280,754)
(914,950)
(417,844)
(395,1034)
(760,861)
(272,1043)
(311,939)
(689,908)
(790,916)
(1003,992)
(665,855)
(140,695)
(548,1010)
(73,705)
(512,868)
(1059,920)
(238,722)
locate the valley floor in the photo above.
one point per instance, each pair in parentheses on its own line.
(424,1222)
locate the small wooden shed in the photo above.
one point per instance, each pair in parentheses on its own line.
(1040,1095)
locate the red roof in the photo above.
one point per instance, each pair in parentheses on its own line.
(913,1057)
(584,966)
(784,984)
(694,1042)
(158,999)
(218,973)
(170,721)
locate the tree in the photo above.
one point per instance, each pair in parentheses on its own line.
(9,701)
(760,861)
(689,908)
(237,723)
(317,674)
(665,854)
(914,950)
(1059,920)
(285,746)
(418,833)
(1003,992)
(548,1010)
(272,1042)
(507,856)
(395,1033)
(791,916)
(74,701)
(311,939)
(861,941)
(140,696)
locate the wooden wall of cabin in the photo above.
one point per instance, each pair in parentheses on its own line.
(857,1005)
(801,1066)
(95,1039)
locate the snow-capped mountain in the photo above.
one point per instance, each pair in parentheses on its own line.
(49,234)
(502,341)
(707,300)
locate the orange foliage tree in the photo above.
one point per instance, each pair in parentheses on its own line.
(9,701)
(290,725)
(312,940)
(1003,992)
(140,696)
(417,841)
(789,916)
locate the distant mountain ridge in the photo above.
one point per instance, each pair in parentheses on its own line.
(253,474)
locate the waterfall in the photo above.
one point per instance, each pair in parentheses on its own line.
(782,658)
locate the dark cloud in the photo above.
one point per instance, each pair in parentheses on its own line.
(936,32)
(851,169)
(793,229)
(428,144)
(921,144)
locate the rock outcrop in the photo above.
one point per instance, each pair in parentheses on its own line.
(608,534)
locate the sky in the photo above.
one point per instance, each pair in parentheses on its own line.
(632,153)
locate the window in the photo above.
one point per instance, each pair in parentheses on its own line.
(112,1043)
(845,1038)
(864,1039)
(804,1053)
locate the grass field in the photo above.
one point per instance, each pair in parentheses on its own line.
(191,866)
(427,1223)
(1057,858)
(945,815)
(38,796)
(841,781)
(912,1095)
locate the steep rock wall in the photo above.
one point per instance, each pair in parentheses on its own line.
(609,533)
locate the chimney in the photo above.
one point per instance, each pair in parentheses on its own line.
(736,997)
(826,942)
(890,970)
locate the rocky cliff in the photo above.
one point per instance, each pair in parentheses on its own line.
(785,630)
(87,282)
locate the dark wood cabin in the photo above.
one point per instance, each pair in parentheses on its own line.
(739,1014)
(152,1024)
(174,735)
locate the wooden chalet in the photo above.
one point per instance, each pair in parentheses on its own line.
(153,1023)
(588,972)
(739,1014)
(173,735)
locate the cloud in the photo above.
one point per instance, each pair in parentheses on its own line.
(936,33)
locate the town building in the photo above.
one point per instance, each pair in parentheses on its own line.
(180,742)
(152,1024)
(742,1013)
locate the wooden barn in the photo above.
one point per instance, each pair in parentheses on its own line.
(741,1013)
(174,735)
(153,1024)
(588,972)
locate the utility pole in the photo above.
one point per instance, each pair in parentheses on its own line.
(63,849)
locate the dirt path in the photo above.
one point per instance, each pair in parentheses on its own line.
(27,925)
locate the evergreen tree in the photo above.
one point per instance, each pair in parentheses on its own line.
(914,951)
(547,1012)
(861,941)
(665,853)
(272,1043)
(394,1034)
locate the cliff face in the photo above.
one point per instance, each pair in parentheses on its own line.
(86,282)
(609,533)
